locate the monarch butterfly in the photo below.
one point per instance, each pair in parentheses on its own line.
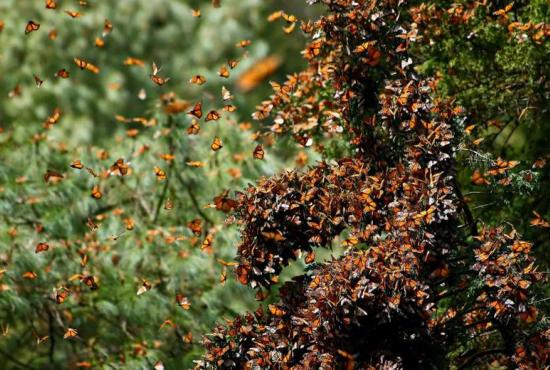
(195,226)
(133,62)
(119,166)
(52,119)
(207,243)
(41,247)
(107,27)
(159,173)
(96,192)
(83,64)
(169,204)
(1,25)
(313,49)
(62,73)
(90,281)
(52,35)
(258,72)
(223,276)
(99,42)
(61,296)
(232,63)
(259,152)
(157,79)
(195,164)
(70,333)
(310,257)
(223,72)
(183,302)
(194,128)
(226,94)
(72,14)
(198,80)
(212,116)
(31,27)
(145,287)
(38,81)
(479,179)
(196,13)
(290,28)
(216,3)
(243,43)
(51,4)
(52,175)
(230,108)
(275,310)
(225,204)
(196,111)
(31,275)
(216,144)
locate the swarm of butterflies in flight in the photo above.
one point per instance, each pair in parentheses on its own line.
(247,81)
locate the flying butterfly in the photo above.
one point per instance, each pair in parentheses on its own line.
(159,173)
(223,72)
(62,73)
(212,116)
(31,27)
(198,80)
(99,42)
(83,64)
(51,4)
(70,333)
(120,167)
(259,152)
(194,128)
(107,28)
(38,81)
(73,14)
(226,94)
(77,164)
(232,63)
(41,247)
(196,111)
(96,192)
(156,78)
(182,301)
(229,108)
(243,43)
(216,144)
(196,13)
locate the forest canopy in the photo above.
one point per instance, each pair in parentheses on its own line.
(246,184)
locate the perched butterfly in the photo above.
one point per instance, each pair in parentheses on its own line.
(259,152)
(539,221)
(52,35)
(183,302)
(38,81)
(223,276)
(31,27)
(41,247)
(107,28)
(159,173)
(62,73)
(51,4)
(198,80)
(96,192)
(223,72)
(212,116)
(216,144)
(196,111)
(194,128)
(276,310)
(73,14)
(196,13)
(70,333)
